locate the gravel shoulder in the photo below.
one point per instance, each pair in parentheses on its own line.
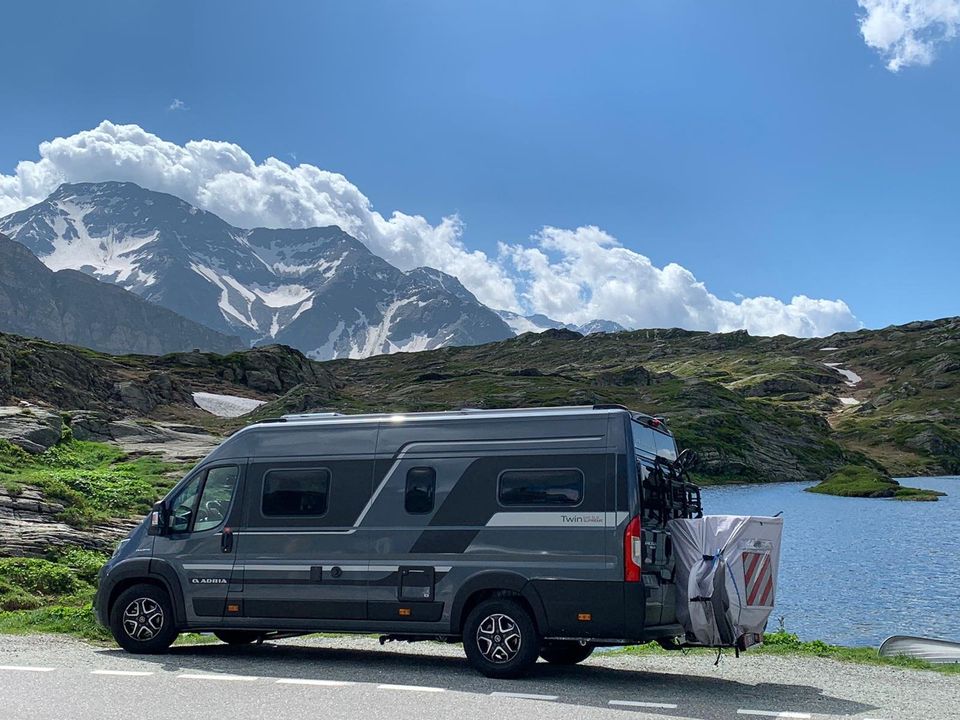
(808,686)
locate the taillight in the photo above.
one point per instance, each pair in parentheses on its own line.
(632,551)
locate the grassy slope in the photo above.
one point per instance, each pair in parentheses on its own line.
(93,481)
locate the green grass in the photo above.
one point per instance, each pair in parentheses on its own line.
(93,481)
(867,482)
(784,643)
(75,620)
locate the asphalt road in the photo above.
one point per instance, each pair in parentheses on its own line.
(54,677)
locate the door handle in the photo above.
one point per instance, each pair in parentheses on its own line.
(226,540)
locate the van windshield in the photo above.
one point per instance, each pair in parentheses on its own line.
(653,443)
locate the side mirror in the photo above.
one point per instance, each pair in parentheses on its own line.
(158,520)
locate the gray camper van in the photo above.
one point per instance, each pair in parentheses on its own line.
(521,533)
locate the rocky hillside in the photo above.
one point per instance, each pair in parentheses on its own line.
(756,409)
(317,289)
(70,307)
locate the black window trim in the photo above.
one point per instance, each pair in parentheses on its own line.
(406,489)
(202,474)
(583,488)
(263,485)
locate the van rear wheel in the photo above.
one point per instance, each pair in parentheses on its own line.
(141,620)
(237,637)
(565,652)
(500,639)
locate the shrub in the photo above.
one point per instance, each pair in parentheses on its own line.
(37,576)
(85,563)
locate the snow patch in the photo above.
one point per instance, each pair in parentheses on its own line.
(849,401)
(107,256)
(828,349)
(283,295)
(327,351)
(852,378)
(225,405)
(223,303)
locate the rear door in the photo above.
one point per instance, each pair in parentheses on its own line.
(655,511)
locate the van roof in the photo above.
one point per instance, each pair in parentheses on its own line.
(567,410)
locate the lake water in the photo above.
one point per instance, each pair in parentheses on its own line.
(855,571)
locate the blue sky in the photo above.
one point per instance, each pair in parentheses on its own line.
(762,146)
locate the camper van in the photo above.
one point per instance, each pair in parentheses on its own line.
(521,533)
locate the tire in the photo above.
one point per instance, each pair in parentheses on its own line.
(237,637)
(142,621)
(500,639)
(565,652)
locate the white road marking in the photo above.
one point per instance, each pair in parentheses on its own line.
(523,696)
(639,703)
(775,714)
(413,688)
(122,673)
(26,668)
(211,676)
(307,681)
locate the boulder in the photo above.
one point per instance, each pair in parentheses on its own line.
(32,428)
(159,388)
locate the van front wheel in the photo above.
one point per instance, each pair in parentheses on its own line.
(565,652)
(500,639)
(141,620)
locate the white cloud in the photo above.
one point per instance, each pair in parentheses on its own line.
(907,31)
(177,104)
(571,275)
(577,275)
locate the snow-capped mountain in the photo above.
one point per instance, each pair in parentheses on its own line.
(317,289)
(538,323)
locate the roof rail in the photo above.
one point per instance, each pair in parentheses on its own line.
(311,416)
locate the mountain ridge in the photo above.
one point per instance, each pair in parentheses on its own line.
(757,409)
(318,289)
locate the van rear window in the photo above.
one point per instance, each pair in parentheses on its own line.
(647,441)
(554,488)
(296,493)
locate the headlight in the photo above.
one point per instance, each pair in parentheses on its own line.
(120,547)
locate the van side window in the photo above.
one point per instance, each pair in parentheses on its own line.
(421,485)
(296,493)
(555,488)
(216,497)
(202,503)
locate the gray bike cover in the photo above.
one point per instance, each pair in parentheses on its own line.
(726,574)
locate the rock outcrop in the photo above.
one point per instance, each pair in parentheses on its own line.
(30,527)
(33,429)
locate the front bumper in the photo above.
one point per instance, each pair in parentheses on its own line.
(101,598)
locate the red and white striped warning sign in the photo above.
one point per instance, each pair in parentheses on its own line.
(758,578)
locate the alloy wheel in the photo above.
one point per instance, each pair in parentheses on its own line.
(143,619)
(499,638)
